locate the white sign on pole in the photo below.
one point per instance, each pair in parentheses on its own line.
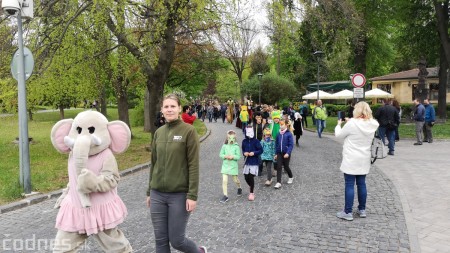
(358,92)
(358,80)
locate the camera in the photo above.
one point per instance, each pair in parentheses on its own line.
(11,7)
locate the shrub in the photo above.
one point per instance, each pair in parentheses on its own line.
(137,115)
(332,109)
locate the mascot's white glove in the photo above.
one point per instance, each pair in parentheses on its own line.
(87,181)
(109,178)
(60,199)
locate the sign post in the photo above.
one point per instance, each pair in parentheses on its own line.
(358,81)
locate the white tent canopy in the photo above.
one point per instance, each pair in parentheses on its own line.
(377,93)
(322,95)
(343,94)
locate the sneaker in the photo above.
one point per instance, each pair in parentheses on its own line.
(239,193)
(277,186)
(224,199)
(203,249)
(362,213)
(290,180)
(390,153)
(251,197)
(345,216)
(268,182)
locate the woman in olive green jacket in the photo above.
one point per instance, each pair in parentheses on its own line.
(174,178)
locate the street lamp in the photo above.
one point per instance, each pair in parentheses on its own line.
(259,78)
(318,54)
(21,9)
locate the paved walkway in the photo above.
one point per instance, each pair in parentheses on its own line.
(421,175)
(297,218)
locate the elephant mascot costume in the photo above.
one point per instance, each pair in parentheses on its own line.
(90,204)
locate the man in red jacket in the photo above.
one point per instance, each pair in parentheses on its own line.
(186,115)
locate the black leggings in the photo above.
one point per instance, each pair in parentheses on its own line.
(283,162)
(250,179)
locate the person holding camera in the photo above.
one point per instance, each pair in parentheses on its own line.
(357,133)
(430,118)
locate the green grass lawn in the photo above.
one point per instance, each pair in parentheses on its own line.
(406,130)
(48,167)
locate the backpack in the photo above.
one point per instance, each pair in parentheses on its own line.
(378,149)
(305,110)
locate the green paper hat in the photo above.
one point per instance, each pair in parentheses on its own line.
(276,115)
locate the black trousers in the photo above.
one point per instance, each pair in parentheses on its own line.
(283,162)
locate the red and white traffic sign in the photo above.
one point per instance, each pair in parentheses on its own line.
(358,80)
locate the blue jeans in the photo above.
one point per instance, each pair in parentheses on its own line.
(244,125)
(169,218)
(350,191)
(383,132)
(320,126)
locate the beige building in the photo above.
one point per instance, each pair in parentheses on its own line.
(403,84)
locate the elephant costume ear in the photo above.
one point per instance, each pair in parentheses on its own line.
(59,131)
(120,136)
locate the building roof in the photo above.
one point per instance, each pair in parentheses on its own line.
(333,85)
(408,74)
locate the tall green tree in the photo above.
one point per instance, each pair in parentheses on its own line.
(195,65)
(259,62)
(235,35)
(442,16)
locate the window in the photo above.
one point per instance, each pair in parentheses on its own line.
(434,90)
(385,87)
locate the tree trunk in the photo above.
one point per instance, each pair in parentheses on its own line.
(122,100)
(422,91)
(155,91)
(30,114)
(147,121)
(360,55)
(121,84)
(443,79)
(442,25)
(61,112)
(103,101)
(278,57)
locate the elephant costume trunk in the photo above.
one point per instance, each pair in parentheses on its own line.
(81,149)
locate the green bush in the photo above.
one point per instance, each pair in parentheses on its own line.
(137,115)
(274,88)
(283,103)
(407,110)
(332,109)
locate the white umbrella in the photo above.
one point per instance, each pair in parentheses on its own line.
(343,94)
(322,95)
(377,93)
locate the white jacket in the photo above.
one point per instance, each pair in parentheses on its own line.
(357,135)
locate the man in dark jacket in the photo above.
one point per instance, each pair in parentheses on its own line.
(419,118)
(430,118)
(388,119)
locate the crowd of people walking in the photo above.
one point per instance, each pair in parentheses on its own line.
(271,134)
